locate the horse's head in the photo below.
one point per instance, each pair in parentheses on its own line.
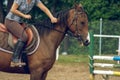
(78,24)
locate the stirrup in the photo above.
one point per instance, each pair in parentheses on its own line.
(17,64)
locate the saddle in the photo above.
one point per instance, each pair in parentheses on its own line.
(8,41)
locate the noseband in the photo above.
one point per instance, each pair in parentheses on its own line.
(76,34)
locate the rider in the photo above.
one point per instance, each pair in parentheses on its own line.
(18,11)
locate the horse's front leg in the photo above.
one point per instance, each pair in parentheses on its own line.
(36,75)
(39,74)
(44,75)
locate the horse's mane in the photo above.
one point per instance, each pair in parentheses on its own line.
(45,26)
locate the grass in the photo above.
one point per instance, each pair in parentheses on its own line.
(66,59)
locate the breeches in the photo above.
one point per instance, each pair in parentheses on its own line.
(16,29)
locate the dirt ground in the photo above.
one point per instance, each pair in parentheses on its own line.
(58,72)
(76,71)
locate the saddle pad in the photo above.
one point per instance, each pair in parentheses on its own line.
(7,43)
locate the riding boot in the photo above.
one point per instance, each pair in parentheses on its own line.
(19,47)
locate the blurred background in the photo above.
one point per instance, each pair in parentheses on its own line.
(104,18)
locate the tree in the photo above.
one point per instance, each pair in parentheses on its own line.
(107,9)
(1,12)
(4,9)
(9,4)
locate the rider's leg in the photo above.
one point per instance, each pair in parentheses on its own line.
(17,30)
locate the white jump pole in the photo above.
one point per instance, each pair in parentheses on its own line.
(115,58)
(102,72)
(118,50)
(119,47)
(100,41)
(57,52)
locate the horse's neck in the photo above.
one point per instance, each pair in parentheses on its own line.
(56,36)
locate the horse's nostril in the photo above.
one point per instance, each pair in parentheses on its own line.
(86,43)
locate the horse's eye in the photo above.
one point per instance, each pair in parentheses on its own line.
(82,23)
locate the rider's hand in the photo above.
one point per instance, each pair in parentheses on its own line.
(54,20)
(27,16)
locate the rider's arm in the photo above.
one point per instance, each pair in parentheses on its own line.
(14,10)
(47,11)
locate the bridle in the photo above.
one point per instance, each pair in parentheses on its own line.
(76,34)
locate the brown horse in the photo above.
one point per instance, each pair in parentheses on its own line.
(74,20)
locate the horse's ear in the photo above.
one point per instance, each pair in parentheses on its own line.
(78,7)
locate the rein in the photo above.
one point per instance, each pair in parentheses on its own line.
(66,32)
(45,26)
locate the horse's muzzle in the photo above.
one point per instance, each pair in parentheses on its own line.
(87,41)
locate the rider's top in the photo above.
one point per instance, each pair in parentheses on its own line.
(24,7)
